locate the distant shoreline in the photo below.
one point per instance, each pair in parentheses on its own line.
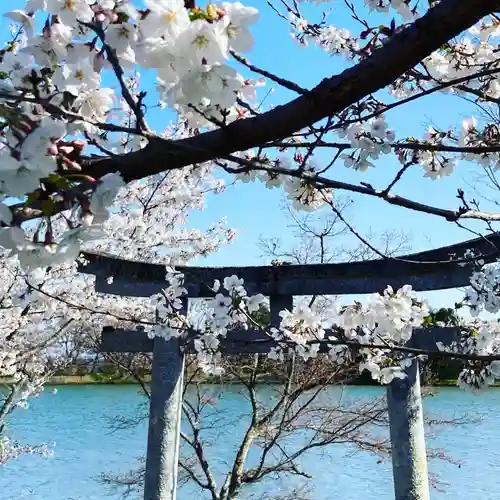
(113,380)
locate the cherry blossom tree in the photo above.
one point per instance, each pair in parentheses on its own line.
(32,328)
(52,90)
(51,316)
(78,157)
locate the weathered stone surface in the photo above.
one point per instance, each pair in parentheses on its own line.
(437,269)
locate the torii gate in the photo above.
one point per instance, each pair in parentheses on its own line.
(438,269)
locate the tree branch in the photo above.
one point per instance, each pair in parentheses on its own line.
(281,81)
(321,182)
(400,54)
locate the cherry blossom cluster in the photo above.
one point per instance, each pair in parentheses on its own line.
(482,339)
(354,334)
(50,248)
(10,450)
(32,322)
(387,319)
(484,291)
(302,192)
(437,162)
(470,60)
(368,141)
(331,39)
(221,314)
(33,330)
(149,217)
(435,165)
(334,40)
(51,93)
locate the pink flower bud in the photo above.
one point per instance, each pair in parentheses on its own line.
(75,166)
(66,150)
(78,145)
(87,219)
(98,62)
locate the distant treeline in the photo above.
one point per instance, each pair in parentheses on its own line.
(435,372)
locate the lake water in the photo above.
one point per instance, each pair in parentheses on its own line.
(77,419)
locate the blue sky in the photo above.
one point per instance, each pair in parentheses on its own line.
(254,211)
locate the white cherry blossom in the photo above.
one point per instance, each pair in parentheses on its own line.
(121,37)
(22,17)
(75,77)
(95,104)
(204,43)
(167,18)
(71,11)
(237,20)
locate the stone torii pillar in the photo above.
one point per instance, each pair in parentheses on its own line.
(165,410)
(165,407)
(406,422)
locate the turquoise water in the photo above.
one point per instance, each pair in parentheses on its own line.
(77,419)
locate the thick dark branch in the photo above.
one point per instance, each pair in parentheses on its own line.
(404,51)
